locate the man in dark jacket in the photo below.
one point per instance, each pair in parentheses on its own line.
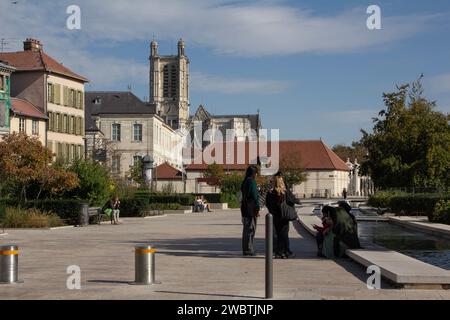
(249,210)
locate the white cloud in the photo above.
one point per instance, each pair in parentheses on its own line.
(232,28)
(212,83)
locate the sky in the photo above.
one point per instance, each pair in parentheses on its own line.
(312,69)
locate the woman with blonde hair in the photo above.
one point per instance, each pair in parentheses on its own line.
(274,200)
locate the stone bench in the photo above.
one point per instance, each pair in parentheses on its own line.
(396,267)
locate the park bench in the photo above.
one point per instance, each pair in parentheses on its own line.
(97,212)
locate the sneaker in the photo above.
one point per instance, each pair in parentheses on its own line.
(290,255)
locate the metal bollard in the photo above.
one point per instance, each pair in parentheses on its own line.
(144,265)
(269,256)
(84,215)
(9,263)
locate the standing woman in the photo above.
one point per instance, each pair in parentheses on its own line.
(249,210)
(274,199)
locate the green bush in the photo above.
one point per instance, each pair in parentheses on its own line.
(30,218)
(441,212)
(231,183)
(139,207)
(211,197)
(94,185)
(182,199)
(382,199)
(231,199)
(408,204)
(67,209)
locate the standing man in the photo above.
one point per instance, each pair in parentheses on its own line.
(344,193)
(249,210)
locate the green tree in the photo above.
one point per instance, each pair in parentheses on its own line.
(135,173)
(410,142)
(291,167)
(94,183)
(355,151)
(215,174)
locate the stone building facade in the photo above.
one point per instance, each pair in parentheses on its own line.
(56,91)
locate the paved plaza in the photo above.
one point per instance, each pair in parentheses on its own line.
(199,257)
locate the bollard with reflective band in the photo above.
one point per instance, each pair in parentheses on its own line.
(9,263)
(144,265)
(269,256)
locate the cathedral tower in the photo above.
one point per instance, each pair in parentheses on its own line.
(169,85)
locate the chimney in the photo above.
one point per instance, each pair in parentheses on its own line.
(32,45)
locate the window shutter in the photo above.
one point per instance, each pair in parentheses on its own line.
(66,96)
(52,100)
(58,94)
(61,119)
(72,125)
(82,126)
(82,100)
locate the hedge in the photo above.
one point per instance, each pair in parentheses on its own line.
(409,204)
(66,209)
(182,199)
(138,207)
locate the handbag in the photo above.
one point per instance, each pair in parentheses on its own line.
(288,213)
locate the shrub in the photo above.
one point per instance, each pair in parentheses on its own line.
(382,199)
(407,203)
(441,212)
(30,218)
(67,209)
(139,207)
(231,183)
(182,199)
(94,182)
(211,197)
(231,199)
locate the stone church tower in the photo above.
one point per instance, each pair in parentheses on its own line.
(169,85)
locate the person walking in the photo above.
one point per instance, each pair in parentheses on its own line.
(344,193)
(249,210)
(274,200)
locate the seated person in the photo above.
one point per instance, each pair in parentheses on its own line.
(322,232)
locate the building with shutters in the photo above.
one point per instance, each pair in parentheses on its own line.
(5,97)
(55,91)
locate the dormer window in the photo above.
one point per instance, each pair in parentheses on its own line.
(97,100)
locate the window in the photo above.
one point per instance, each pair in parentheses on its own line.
(72,125)
(116,132)
(2,82)
(50,93)
(21,124)
(35,127)
(115,165)
(137,132)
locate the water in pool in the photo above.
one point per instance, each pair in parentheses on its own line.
(421,246)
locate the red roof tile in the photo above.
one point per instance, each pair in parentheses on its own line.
(312,155)
(166,172)
(38,61)
(22,107)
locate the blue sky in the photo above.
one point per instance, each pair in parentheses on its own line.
(312,68)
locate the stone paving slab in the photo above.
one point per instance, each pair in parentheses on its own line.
(199,257)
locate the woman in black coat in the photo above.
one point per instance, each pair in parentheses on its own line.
(274,198)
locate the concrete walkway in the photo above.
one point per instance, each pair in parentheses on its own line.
(199,258)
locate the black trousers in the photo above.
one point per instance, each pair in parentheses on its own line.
(282,231)
(248,234)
